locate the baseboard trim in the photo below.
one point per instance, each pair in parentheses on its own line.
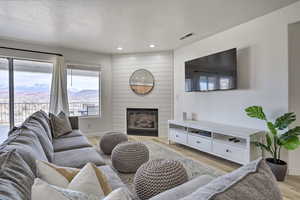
(294,172)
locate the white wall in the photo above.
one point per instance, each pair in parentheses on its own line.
(294,90)
(161,66)
(87,125)
(262,71)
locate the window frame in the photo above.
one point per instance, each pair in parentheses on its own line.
(86,67)
(11,56)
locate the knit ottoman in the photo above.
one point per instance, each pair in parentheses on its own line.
(110,140)
(127,157)
(157,176)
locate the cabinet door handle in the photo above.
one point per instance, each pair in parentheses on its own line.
(176,135)
(228,151)
(198,142)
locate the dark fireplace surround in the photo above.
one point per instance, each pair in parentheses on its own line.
(142,121)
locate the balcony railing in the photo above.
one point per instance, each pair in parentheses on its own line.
(23,110)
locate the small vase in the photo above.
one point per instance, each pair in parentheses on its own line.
(279,168)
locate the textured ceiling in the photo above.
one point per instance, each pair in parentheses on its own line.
(103,25)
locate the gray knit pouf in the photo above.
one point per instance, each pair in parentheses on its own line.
(127,157)
(157,176)
(110,140)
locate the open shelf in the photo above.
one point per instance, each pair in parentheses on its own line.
(230,140)
(199,132)
(217,139)
(175,126)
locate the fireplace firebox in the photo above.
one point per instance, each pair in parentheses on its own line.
(142,121)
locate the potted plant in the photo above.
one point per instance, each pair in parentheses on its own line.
(278,136)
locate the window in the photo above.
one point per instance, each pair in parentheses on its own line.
(83,90)
(24,89)
(32,83)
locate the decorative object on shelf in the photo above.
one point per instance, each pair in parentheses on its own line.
(276,140)
(184,115)
(157,176)
(141,82)
(194,116)
(110,140)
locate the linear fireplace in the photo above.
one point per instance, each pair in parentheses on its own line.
(142,121)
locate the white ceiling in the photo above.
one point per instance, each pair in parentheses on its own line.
(103,25)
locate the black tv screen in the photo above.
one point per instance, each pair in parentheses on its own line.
(211,73)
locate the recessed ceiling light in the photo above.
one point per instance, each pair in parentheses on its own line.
(151,45)
(120,48)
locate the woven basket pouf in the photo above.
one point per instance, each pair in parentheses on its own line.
(127,157)
(110,140)
(157,176)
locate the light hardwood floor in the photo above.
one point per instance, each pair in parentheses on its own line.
(290,188)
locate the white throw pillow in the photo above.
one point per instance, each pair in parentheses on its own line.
(86,181)
(119,194)
(89,179)
(42,190)
(50,174)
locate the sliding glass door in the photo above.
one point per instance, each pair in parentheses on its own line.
(32,83)
(24,89)
(4,98)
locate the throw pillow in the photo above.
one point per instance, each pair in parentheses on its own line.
(73,178)
(252,181)
(27,144)
(60,124)
(45,191)
(87,181)
(16,177)
(55,175)
(119,194)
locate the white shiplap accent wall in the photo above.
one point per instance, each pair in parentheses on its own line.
(161,66)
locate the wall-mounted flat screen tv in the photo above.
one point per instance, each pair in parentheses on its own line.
(212,73)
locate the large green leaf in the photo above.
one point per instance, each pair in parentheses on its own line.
(285,120)
(293,131)
(256,112)
(272,128)
(291,143)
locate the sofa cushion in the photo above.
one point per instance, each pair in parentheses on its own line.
(74,122)
(54,174)
(63,144)
(113,179)
(184,189)
(77,158)
(45,191)
(60,124)
(88,182)
(43,118)
(119,194)
(36,126)
(74,133)
(16,177)
(66,177)
(252,181)
(27,145)
(68,173)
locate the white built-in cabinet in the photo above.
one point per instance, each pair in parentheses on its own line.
(228,142)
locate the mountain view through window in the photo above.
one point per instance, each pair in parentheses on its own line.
(83,92)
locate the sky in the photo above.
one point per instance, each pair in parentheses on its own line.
(29,79)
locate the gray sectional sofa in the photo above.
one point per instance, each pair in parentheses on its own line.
(33,141)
